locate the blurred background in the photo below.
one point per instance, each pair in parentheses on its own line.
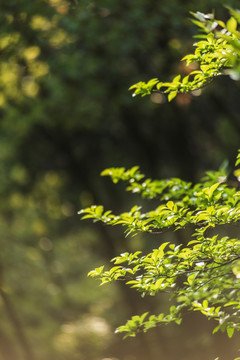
(65,115)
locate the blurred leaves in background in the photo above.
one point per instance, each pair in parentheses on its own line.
(65,115)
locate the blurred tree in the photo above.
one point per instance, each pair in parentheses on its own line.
(65,115)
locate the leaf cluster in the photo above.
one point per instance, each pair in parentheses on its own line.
(202,275)
(216,53)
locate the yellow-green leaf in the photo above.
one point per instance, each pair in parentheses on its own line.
(231,24)
(172,95)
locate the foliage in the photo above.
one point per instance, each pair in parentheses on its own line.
(217,53)
(64,115)
(203,273)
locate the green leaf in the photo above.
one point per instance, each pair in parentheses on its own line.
(238,159)
(152,82)
(176,79)
(216,329)
(230,331)
(205,304)
(96,272)
(221,23)
(231,25)
(212,189)
(172,95)
(170,205)
(191,278)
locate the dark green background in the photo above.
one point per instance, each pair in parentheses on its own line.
(65,115)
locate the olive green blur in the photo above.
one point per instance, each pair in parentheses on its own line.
(65,115)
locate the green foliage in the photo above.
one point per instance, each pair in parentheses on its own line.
(63,108)
(202,275)
(217,53)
